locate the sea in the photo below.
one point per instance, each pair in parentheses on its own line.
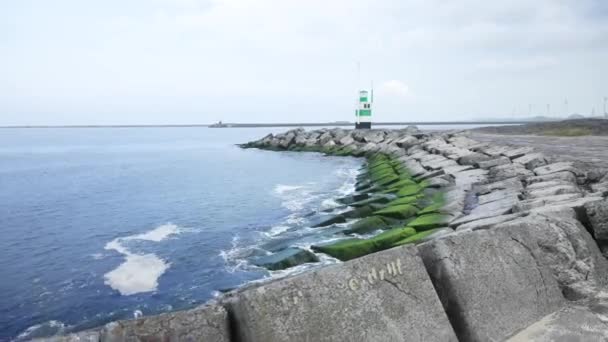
(101,224)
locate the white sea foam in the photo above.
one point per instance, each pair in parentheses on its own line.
(139,272)
(280,189)
(49,328)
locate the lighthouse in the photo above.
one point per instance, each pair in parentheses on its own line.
(363,112)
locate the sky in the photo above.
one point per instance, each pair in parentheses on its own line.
(72,62)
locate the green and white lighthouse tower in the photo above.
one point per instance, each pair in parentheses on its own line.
(363,112)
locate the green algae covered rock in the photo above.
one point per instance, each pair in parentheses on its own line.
(359,212)
(402,211)
(417,238)
(409,190)
(368,224)
(354,248)
(371,200)
(405,200)
(330,221)
(429,221)
(286,258)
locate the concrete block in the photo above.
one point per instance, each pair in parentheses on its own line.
(386,296)
(490,283)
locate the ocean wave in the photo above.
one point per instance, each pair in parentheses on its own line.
(139,272)
(45,329)
(280,189)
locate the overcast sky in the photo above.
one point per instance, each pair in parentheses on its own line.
(199,61)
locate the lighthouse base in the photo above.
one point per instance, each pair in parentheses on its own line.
(363,125)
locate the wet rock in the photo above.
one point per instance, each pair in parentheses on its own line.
(375,137)
(597,214)
(493,162)
(367,225)
(207,323)
(490,283)
(286,258)
(389,289)
(548,184)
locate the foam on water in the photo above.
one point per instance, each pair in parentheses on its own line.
(42,330)
(139,272)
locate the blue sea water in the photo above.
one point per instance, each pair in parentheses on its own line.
(99,224)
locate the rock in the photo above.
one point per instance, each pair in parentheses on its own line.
(506,171)
(439,163)
(490,283)
(512,184)
(532,160)
(375,137)
(425,236)
(463,142)
(286,258)
(571,323)
(82,336)
(430,221)
(206,323)
(329,221)
(354,248)
(494,150)
(414,167)
(429,174)
(600,187)
(557,167)
(517,152)
(324,138)
(548,184)
(488,222)
(469,177)
(552,191)
(497,195)
(403,211)
(366,225)
(389,290)
(346,140)
(530,204)
(567,249)
(565,176)
(407,142)
(487,164)
(597,215)
(491,209)
(473,158)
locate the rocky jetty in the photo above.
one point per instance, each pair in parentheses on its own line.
(445,239)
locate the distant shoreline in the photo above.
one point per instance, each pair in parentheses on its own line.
(253,125)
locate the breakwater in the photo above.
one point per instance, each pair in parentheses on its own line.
(447,239)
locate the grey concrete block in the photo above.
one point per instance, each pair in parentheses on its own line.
(557,167)
(490,283)
(597,214)
(569,324)
(566,248)
(205,323)
(493,162)
(386,296)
